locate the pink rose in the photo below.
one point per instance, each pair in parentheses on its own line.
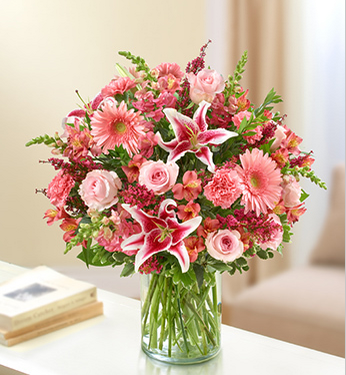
(99,189)
(224,188)
(205,85)
(59,189)
(224,245)
(291,191)
(276,234)
(158,176)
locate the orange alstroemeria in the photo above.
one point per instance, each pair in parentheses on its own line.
(190,188)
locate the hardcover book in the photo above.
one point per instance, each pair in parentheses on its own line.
(39,294)
(60,321)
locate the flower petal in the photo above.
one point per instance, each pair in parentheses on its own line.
(134,242)
(184,127)
(153,244)
(181,149)
(164,213)
(215,136)
(206,157)
(181,253)
(147,222)
(167,146)
(199,116)
(182,230)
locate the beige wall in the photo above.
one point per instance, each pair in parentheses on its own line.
(49,49)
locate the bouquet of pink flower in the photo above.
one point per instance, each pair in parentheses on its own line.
(176,174)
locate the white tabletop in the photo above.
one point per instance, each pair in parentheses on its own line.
(110,345)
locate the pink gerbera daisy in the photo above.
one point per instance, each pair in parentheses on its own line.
(115,126)
(261,180)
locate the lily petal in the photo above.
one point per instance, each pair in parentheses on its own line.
(153,244)
(184,127)
(167,146)
(147,222)
(181,149)
(134,242)
(206,156)
(215,136)
(200,114)
(164,212)
(181,253)
(182,230)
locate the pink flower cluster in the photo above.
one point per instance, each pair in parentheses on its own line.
(180,164)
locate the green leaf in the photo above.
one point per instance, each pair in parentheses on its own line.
(84,255)
(241,262)
(242,125)
(199,272)
(128,270)
(304,195)
(262,254)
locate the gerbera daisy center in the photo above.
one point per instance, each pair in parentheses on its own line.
(119,127)
(257,180)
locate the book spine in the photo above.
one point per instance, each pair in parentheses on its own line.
(51,309)
(68,315)
(96,311)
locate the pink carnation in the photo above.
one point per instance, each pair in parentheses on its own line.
(59,188)
(166,69)
(118,86)
(224,188)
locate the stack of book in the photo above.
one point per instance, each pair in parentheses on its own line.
(42,300)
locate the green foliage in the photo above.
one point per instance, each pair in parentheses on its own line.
(45,139)
(140,63)
(271,98)
(233,81)
(307,173)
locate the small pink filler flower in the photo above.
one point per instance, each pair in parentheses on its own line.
(261,180)
(115,126)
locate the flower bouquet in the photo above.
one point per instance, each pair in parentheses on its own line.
(178,176)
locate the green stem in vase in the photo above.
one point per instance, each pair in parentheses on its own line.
(181,320)
(147,302)
(170,323)
(153,320)
(163,313)
(198,316)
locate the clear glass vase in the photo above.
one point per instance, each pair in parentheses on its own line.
(181,325)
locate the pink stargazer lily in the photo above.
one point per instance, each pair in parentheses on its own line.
(162,233)
(192,135)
